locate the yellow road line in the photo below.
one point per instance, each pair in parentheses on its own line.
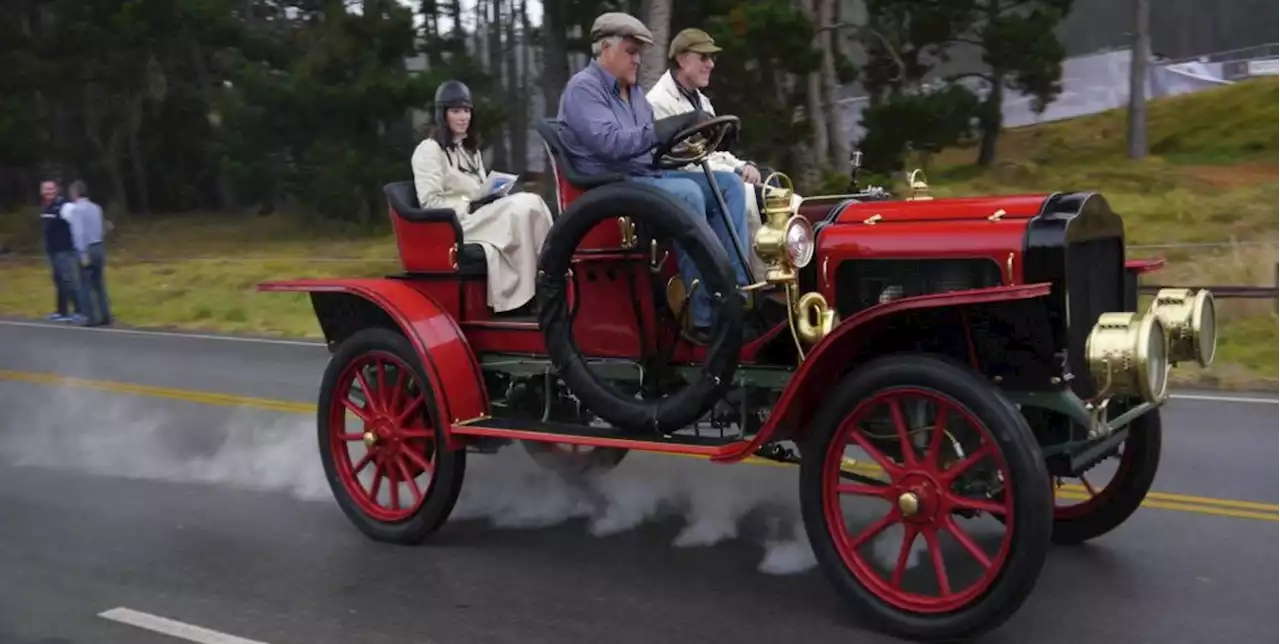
(185,395)
(1159,500)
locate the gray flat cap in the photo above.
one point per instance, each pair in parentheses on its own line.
(616,23)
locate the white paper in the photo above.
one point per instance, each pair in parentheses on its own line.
(499,183)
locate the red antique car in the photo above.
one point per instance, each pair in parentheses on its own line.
(947,358)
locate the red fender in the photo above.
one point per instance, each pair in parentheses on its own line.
(838,349)
(1141,266)
(450,365)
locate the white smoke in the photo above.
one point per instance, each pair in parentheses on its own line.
(126,436)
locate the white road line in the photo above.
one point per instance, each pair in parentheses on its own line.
(1230,399)
(168,334)
(172,627)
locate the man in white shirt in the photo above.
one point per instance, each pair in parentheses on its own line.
(87,235)
(692,55)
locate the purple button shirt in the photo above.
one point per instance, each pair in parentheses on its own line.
(603,134)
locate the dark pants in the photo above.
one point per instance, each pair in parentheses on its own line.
(66,278)
(93,288)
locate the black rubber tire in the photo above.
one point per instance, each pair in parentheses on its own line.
(663,216)
(450,466)
(1126,492)
(1032,505)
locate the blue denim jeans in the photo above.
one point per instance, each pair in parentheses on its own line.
(693,189)
(93,287)
(66,281)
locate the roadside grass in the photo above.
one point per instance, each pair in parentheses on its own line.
(200,272)
(1216,182)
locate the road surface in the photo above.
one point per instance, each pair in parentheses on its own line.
(151,477)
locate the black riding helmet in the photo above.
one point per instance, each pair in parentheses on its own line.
(451,93)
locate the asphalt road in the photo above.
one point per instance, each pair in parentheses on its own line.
(125,496)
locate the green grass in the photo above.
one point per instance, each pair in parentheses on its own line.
(1212,178)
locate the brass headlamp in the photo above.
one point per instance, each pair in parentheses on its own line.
(1192,321)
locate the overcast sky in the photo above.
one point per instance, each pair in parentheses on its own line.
(469,8)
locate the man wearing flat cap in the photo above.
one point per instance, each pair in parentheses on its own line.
(692,55)
(608,127)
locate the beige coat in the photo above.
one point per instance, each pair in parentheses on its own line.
(667,101)
(510,230)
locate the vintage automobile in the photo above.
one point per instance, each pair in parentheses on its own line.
(946,358)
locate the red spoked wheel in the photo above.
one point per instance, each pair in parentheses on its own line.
(1092,508)
(903,525)
(380,444)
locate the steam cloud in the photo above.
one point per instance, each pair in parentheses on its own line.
(112,435)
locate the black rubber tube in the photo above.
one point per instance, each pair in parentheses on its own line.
(665,217)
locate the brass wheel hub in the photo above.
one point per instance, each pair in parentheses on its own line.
(918,500)
(909,504)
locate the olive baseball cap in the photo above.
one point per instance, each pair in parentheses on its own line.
(694,40)
(616,23)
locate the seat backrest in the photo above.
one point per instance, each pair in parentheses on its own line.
(422,247)
(570,182)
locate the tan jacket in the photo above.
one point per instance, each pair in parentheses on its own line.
(667,101)
(444,184)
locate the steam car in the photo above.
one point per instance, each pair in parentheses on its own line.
(933,366)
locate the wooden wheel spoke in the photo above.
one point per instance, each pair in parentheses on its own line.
(892,469)
(362,463)
(933,453)
(408,478)
(863,489)
(904,434)
(351,437)
(417,434)
(935,553)
(949,475)
(360,412)
(874,529)
(409,408)
(959,534)
(1088,488)
(909,534)
(394,403)
(378,475)
(370,396)
(983,505)
(418,460)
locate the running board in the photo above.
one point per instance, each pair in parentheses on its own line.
(575,434)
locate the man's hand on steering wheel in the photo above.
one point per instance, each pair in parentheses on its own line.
(750,174)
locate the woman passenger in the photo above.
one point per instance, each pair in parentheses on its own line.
(449,172)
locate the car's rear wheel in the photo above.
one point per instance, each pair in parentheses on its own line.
(938,442)
(381,444)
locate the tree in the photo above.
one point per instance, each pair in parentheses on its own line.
(1141,51)
(653,60)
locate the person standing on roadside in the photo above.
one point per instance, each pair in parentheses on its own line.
(87,236)
(58,217)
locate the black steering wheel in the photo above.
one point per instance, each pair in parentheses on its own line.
(694,143)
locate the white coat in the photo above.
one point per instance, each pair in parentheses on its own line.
(510,230)
(667,101)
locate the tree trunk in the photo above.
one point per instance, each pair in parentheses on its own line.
(138,161)
(991,119)
(1141,51)
(515,81)
(837,143)
(493,29)
(653,60)
(555,53)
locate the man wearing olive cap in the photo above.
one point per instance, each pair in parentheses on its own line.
(608,127)
(693,56)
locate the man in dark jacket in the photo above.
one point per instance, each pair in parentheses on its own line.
(58,216)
